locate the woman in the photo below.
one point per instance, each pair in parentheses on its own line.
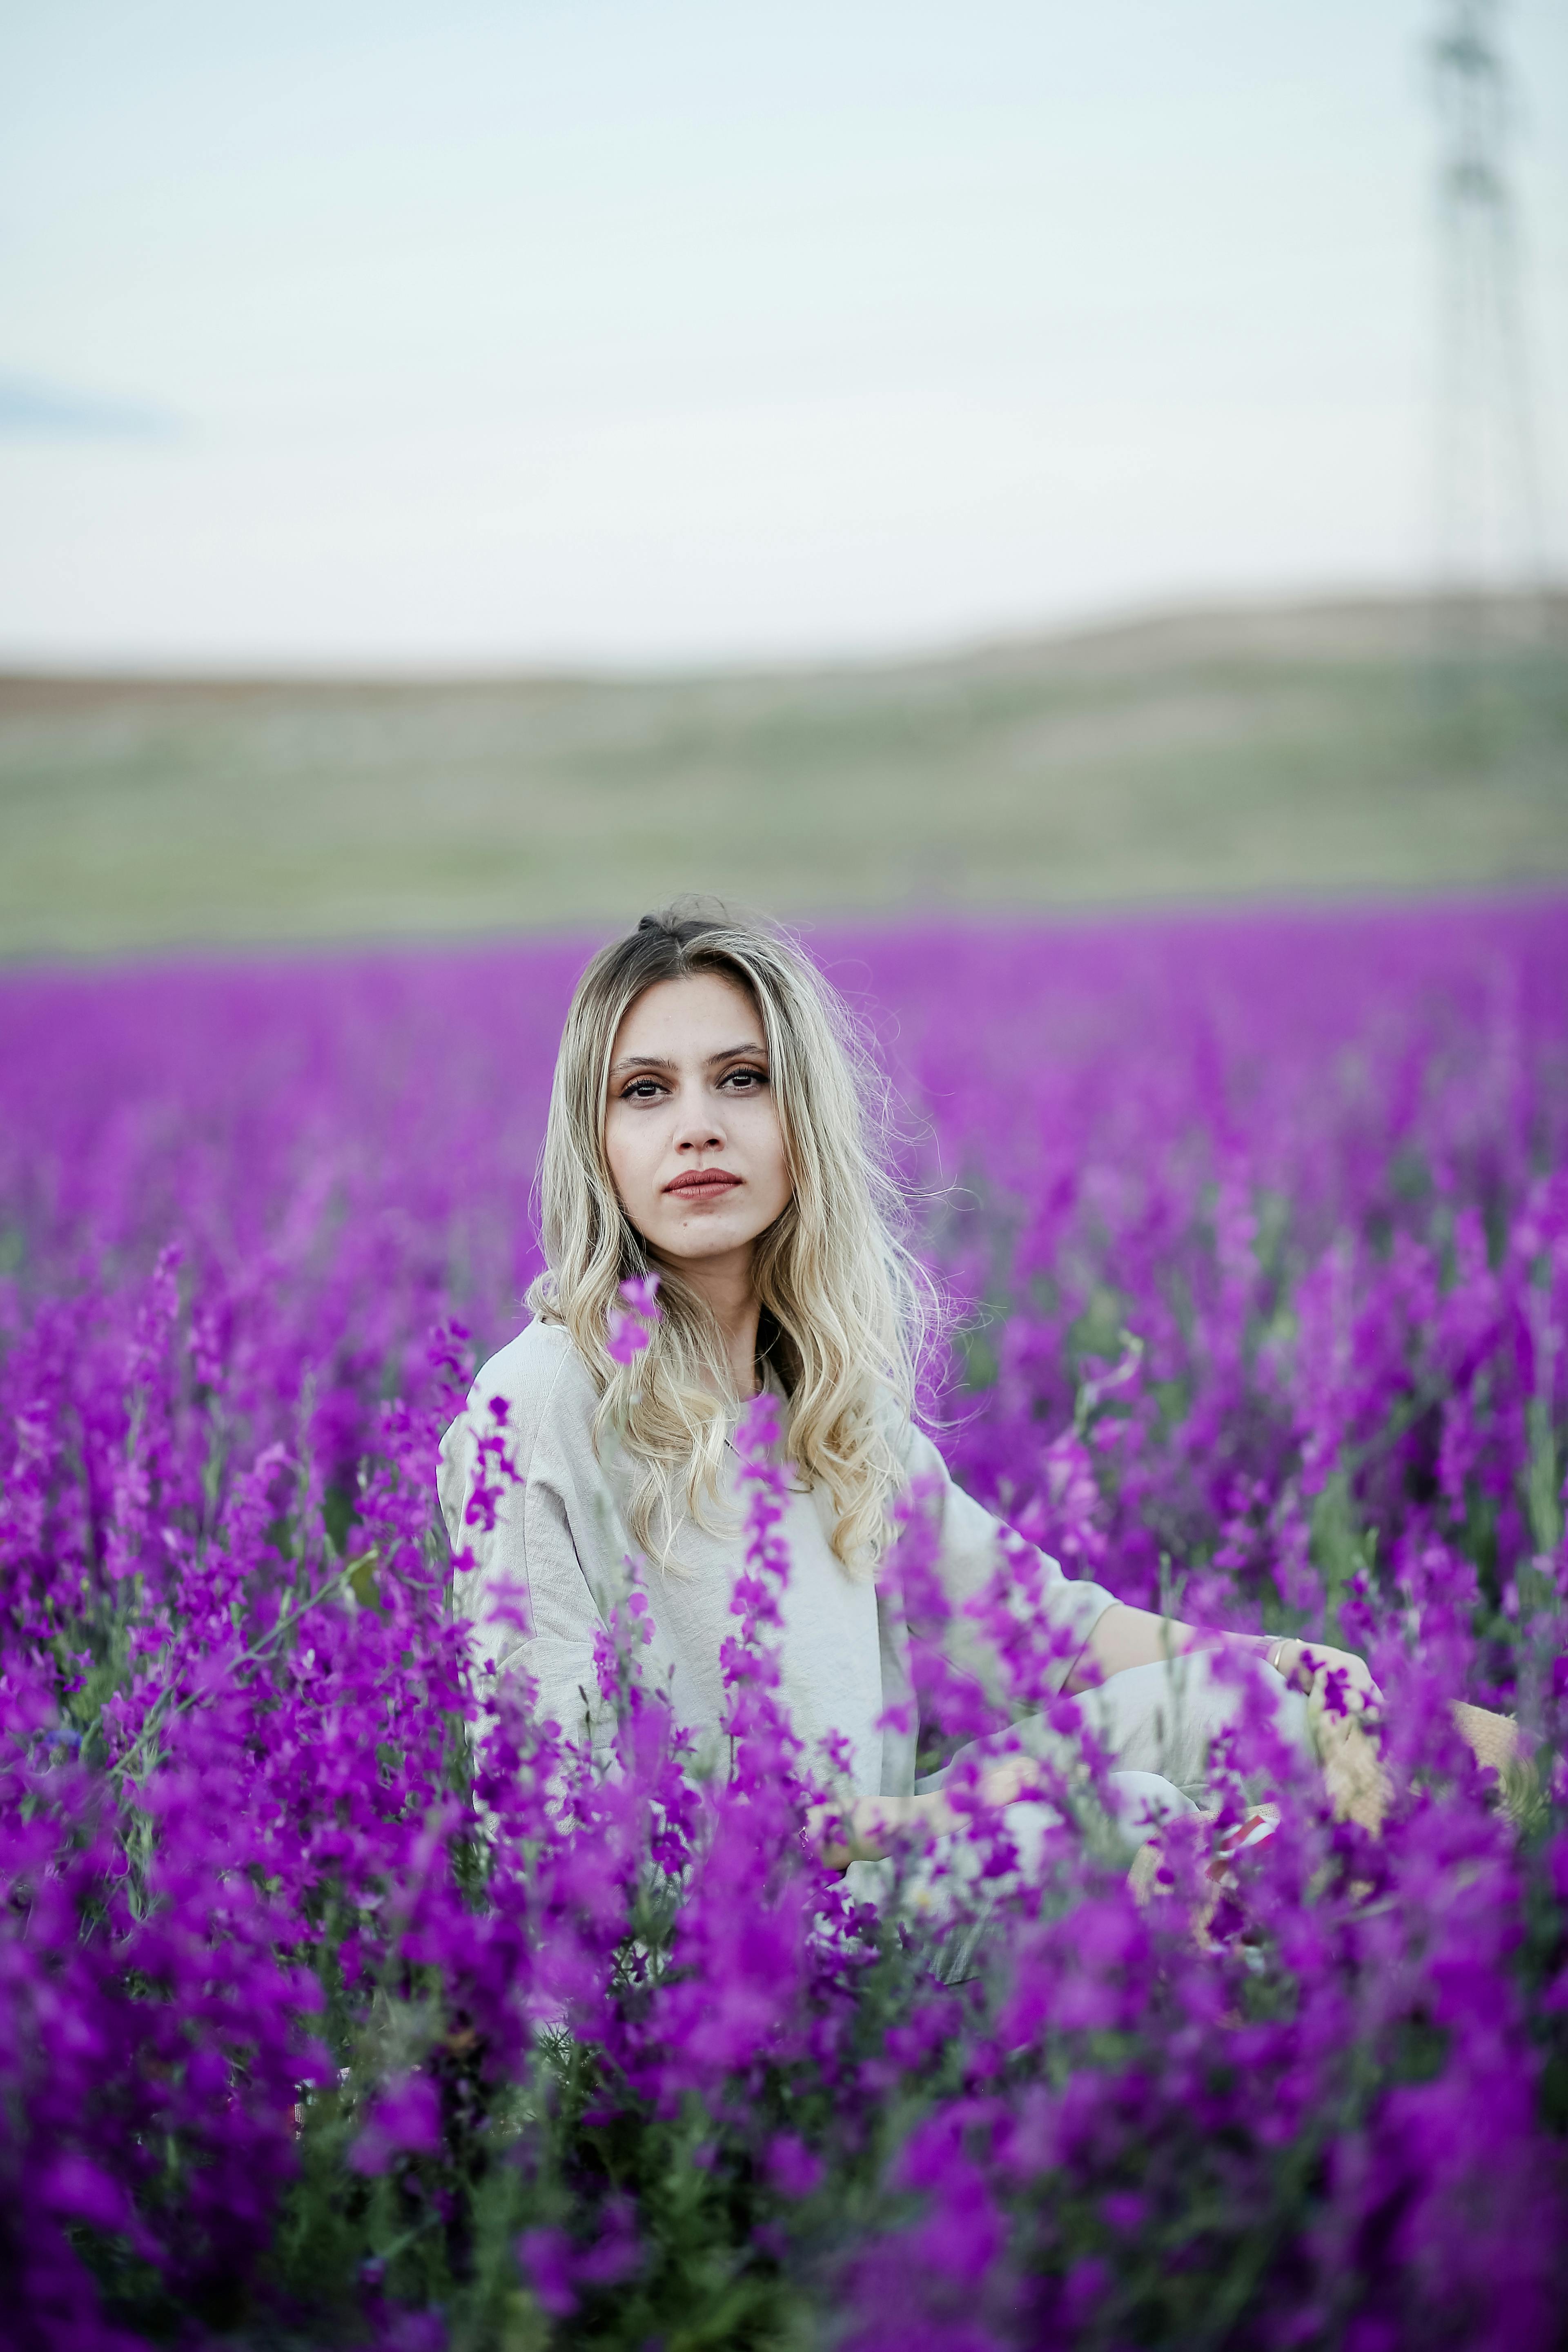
(712,1122)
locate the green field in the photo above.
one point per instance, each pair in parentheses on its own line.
(1198,755)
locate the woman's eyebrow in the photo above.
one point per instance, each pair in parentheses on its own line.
(663,1061)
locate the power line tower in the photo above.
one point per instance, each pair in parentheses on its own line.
(1488,497)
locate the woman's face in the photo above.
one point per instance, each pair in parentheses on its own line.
(691,1128)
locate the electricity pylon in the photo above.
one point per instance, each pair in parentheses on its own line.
(1488,497)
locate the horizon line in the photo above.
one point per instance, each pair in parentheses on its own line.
(1124,620)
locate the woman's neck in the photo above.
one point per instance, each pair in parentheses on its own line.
(725,1283)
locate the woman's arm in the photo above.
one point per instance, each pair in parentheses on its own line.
(1114,1636)
(970,1547)
(521,1524)
(1123,1636)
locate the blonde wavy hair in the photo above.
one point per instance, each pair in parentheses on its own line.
(846,1308)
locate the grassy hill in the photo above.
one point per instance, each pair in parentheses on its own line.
(1201,754)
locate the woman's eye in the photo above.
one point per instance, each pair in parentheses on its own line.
(746,1081)
(642,1090)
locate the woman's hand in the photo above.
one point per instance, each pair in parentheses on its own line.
(873,1825)
(1309,1665)
(864,1832)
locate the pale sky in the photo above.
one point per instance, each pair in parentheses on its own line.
(597,332)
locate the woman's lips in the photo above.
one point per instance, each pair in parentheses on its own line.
(702,1184)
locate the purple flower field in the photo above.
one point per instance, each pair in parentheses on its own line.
(320,2025)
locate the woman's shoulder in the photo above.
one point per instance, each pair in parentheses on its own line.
(891,1419)
(540,1375)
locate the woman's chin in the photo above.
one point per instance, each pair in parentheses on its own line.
(702,1237)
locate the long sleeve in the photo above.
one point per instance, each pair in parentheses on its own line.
(969,1552)
(536,1603)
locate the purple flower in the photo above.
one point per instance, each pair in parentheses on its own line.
(791,2167)
(640,1293)
(547,2261)
(404,2120)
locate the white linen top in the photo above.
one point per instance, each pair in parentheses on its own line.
(560,1543)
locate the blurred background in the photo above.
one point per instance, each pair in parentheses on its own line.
(485,468)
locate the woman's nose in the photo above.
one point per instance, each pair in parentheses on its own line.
(697,1129)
